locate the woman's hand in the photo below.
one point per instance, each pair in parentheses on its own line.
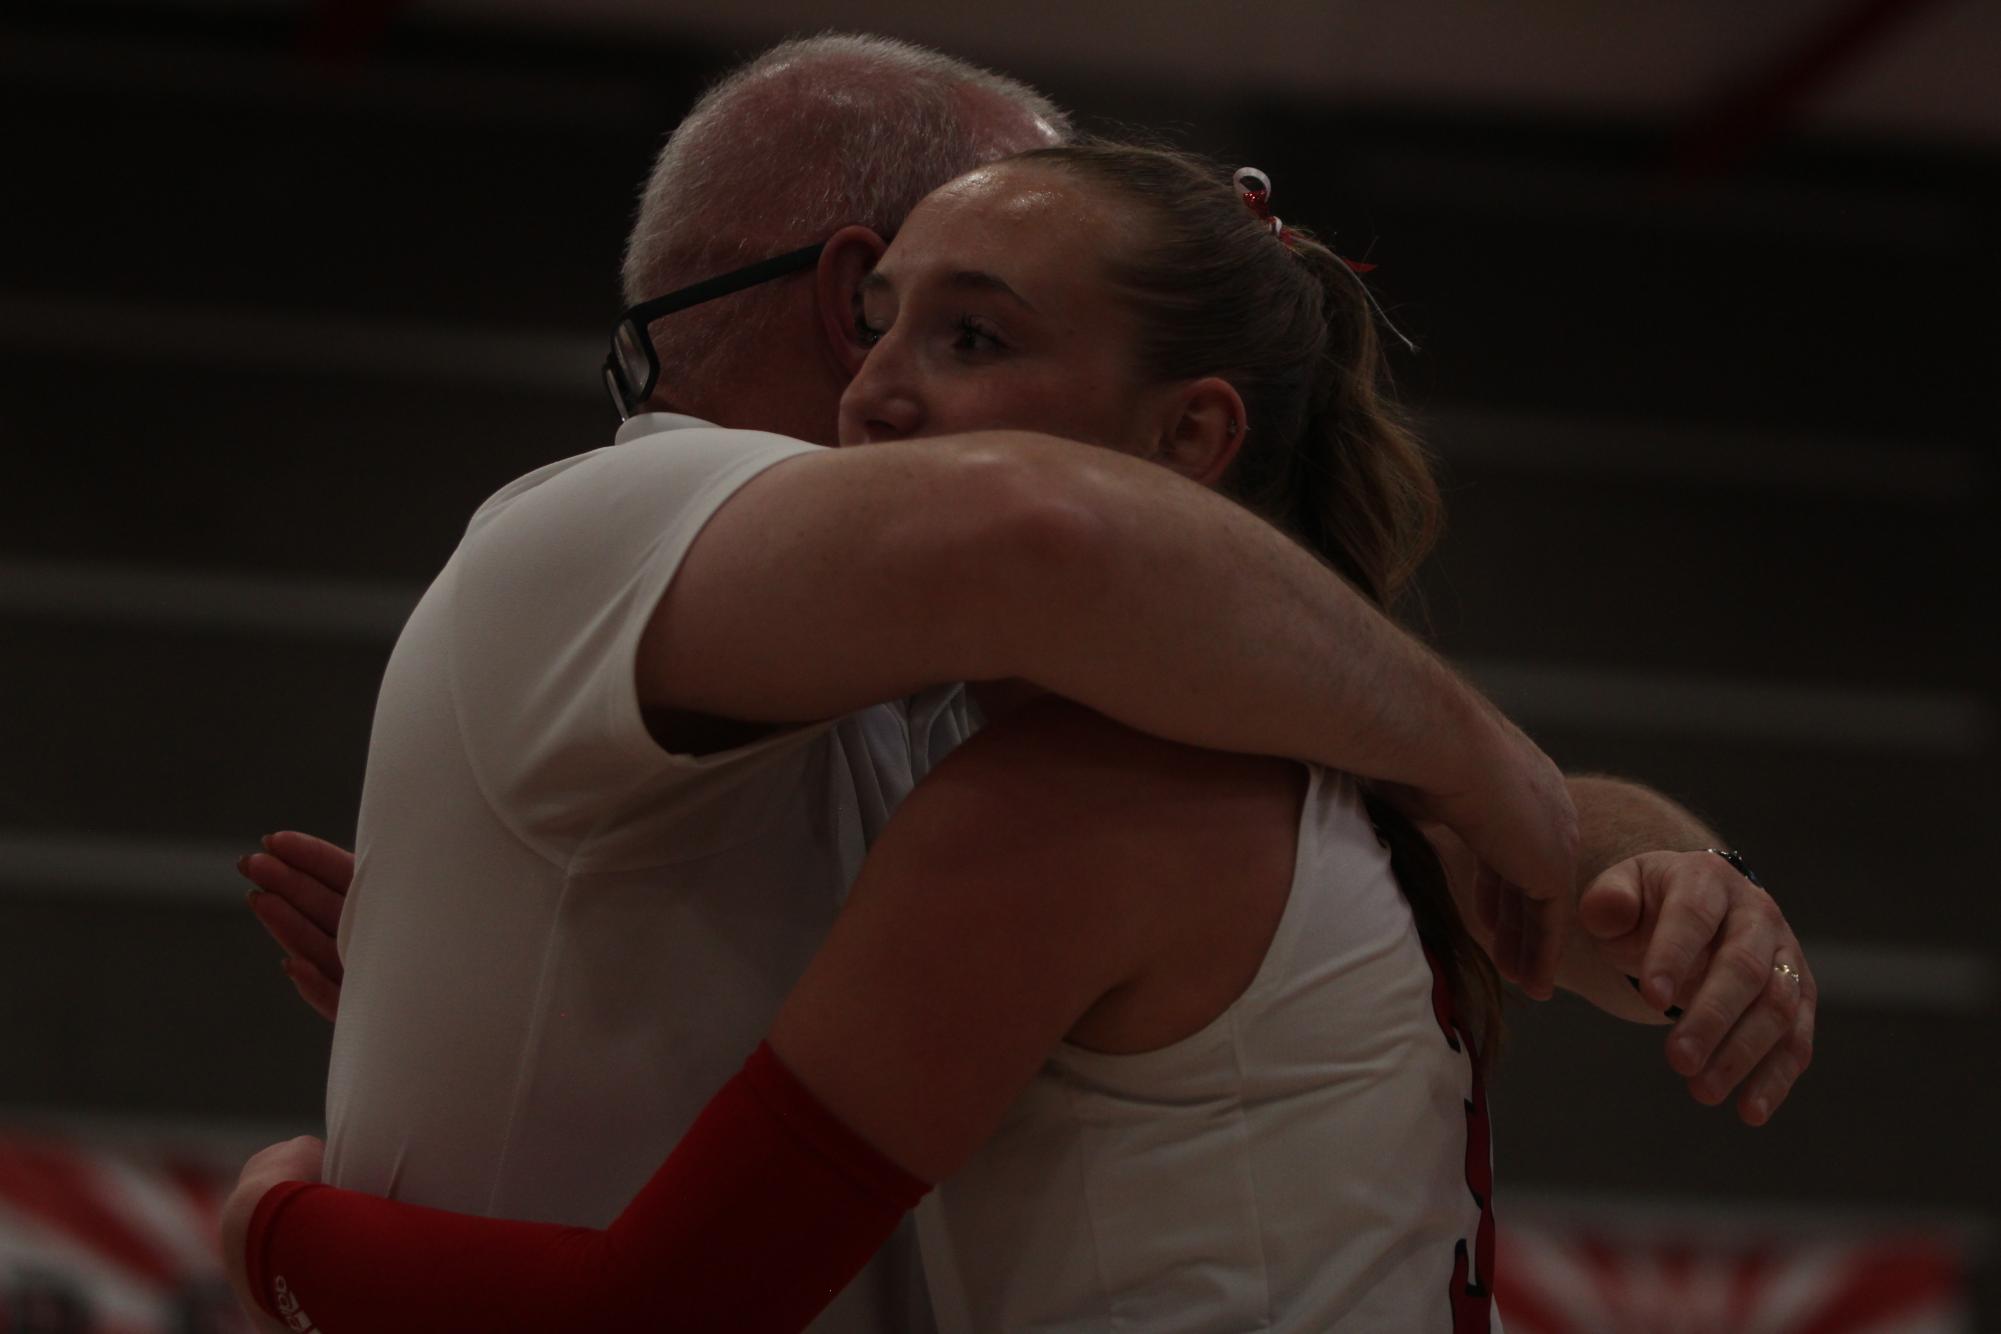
(298,1159)
(301,884)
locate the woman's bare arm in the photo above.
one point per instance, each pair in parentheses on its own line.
(1051,860)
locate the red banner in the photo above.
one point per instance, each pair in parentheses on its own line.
(101,1240)
(1622,1273)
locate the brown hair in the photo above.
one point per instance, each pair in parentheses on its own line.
(1328,458)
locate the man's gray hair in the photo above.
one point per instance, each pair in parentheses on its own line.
(812,136)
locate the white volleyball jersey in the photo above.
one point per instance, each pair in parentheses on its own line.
(562,940)
(1307,1162)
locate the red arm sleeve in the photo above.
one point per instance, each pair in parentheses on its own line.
(763,1212)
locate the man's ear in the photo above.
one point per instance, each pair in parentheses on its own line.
(1202,426)
(849,256)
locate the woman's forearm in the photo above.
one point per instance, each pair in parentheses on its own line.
(762,1214)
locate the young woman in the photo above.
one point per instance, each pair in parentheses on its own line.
(1189,1040)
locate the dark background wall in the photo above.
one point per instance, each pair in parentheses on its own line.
(1708,355)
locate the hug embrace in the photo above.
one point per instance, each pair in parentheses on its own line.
(1007,870)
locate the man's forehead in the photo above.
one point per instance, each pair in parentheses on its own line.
(1008,125)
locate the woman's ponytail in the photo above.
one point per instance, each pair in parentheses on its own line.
(1328,457)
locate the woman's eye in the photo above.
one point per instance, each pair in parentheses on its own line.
(865,333)
(973,336)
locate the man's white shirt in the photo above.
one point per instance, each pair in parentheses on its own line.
(562,939)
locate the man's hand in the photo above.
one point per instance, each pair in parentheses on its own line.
(298,1159)
(301,883)
(1515,815)
(1701,936)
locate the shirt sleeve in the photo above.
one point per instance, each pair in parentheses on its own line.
(767,1208)
(546,601)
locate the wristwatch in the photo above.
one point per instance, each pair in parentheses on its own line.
(1737,862)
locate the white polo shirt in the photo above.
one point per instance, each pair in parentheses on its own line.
(562,940)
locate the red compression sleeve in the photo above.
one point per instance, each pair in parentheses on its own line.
(763,1212)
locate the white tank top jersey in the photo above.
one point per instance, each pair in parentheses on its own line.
(1306,1162)
(561,940)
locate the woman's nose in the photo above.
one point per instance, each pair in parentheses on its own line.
(878,406)
(893,417)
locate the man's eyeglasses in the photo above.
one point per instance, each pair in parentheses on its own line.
(633,368)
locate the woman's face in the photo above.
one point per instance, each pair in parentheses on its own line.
(991,310)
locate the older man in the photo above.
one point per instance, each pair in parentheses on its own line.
(634,742)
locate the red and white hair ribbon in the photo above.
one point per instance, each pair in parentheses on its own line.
(1255,188)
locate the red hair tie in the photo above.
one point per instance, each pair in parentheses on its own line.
(1255,187)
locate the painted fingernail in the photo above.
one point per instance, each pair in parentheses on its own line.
(266,841)
(1761,1111)
(243,864)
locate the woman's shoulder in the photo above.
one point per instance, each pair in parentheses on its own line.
(1181,859)
(1124,816)
(1060,740)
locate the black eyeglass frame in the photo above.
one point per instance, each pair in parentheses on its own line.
(632,325)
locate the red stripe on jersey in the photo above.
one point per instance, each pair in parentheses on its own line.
(1471,1293)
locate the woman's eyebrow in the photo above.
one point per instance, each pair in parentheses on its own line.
(978,280)
(981,280)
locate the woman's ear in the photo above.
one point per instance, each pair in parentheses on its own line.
(848,257)
(1201,429)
